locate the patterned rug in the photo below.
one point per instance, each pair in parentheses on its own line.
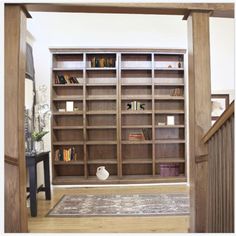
(121,205)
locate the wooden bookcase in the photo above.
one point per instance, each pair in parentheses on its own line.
(100,128)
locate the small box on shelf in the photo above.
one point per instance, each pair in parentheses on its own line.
(161,123)
(170,169)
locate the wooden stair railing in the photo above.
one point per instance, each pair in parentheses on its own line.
(220,196)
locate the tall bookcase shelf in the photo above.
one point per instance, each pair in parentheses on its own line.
(127,114)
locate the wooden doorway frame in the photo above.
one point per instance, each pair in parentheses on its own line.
(15,30)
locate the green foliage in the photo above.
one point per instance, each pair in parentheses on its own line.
(37,136)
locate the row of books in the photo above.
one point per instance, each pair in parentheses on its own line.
(66,154)
(142,134)
(65,79)
(176,92)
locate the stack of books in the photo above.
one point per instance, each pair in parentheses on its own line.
(136,136)
(66,154)
(65,79)
(140,135)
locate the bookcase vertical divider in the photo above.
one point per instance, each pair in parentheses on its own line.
(85,118)
(153,120)
(185,116)
(119,147)
(52,118)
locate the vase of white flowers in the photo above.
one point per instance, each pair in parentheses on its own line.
(38,142)
(42,116)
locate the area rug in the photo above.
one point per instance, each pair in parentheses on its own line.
(121,205)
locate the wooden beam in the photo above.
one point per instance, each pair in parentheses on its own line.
(221,121)
(219,9)
(199,114)
(15,169)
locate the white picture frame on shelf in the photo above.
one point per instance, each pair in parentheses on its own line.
(69,106)
(170,120)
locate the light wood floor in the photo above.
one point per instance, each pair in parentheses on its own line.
(139,224)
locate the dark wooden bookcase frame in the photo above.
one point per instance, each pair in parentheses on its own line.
(99,130)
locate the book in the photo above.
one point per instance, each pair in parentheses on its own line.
(66,77)
(146,133)
(61,79)
(60,154)
(57,155)
(138,106)
(136,136)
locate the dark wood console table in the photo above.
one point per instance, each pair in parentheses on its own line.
(32,160)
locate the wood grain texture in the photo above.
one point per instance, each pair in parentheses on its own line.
(15,174)
(221,121)
(199,113)
(220,197)
(106,122)
(171,224)
(218,9)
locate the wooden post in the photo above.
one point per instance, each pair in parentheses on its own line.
(199,115)
(15,169)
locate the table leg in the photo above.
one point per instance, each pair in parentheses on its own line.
(47,178)
(33,189)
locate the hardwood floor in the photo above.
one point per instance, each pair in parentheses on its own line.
(145,224)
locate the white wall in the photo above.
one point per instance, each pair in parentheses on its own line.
(106,30)
(222,56)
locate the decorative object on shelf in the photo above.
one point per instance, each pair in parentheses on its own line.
(135,106)
(76,109)
(61,109)
(176,92)
(219,103)
(136,136)
(38,142)
(69,106)
(161,123)
(171,169)
(179,64)
(170,120)
(102,173)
